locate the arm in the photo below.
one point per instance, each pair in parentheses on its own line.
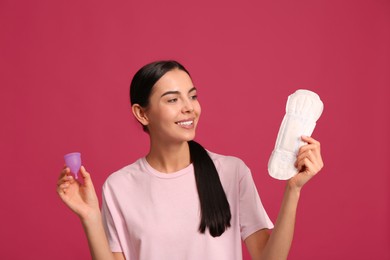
(261,245)
(97,240)
(82,199)
(277,246)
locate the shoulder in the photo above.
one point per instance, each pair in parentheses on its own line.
(230,163)
(224,158)
(120,176)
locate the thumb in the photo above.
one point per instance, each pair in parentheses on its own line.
(86,176)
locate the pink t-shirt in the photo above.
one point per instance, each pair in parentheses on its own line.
(152,215)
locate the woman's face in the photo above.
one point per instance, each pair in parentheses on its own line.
(173,111)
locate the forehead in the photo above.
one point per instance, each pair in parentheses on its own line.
(174,80)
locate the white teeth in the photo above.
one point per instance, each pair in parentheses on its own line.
(186,123)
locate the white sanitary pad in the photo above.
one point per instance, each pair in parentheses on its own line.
(303,109)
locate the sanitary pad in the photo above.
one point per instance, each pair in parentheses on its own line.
(303,109)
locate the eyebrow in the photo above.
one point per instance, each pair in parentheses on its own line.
(176,92)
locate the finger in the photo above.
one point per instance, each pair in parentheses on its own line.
(309,167)
(309,140)
(61,193)
(65,175)
(63,186)
(86,176)
(64,182)
(62,189)
(314,148)
(84,172)
(65,171)
(306,147)
(301,159)
(307,154)
(310,164)
(300,164)
(65,179)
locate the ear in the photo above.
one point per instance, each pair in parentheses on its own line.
(140,115)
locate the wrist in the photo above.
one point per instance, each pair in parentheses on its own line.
(292,188)
(91,217)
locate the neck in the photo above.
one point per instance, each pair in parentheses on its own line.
(169,158)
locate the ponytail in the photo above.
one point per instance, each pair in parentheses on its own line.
(215,209)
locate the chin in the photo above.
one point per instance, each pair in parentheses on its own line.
(188,137)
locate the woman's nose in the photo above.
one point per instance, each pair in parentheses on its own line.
(187,106)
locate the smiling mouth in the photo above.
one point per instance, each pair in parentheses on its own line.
(185,123)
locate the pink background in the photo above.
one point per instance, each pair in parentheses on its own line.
(65,68)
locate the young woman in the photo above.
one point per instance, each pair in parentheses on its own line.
(181,201)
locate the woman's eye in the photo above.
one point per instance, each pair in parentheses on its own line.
(194,97)
(173,100)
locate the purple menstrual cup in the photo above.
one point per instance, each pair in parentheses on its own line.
(73,161)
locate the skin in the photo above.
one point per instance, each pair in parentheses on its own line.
(173,99)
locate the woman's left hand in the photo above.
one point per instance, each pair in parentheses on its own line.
(309,162)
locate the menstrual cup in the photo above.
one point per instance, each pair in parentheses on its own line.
(73,161)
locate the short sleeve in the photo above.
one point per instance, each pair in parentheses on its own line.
(108,221)
(253,216)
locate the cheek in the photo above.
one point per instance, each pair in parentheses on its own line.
(164,115)
(155,115)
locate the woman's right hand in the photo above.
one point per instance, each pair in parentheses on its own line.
(79,197)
